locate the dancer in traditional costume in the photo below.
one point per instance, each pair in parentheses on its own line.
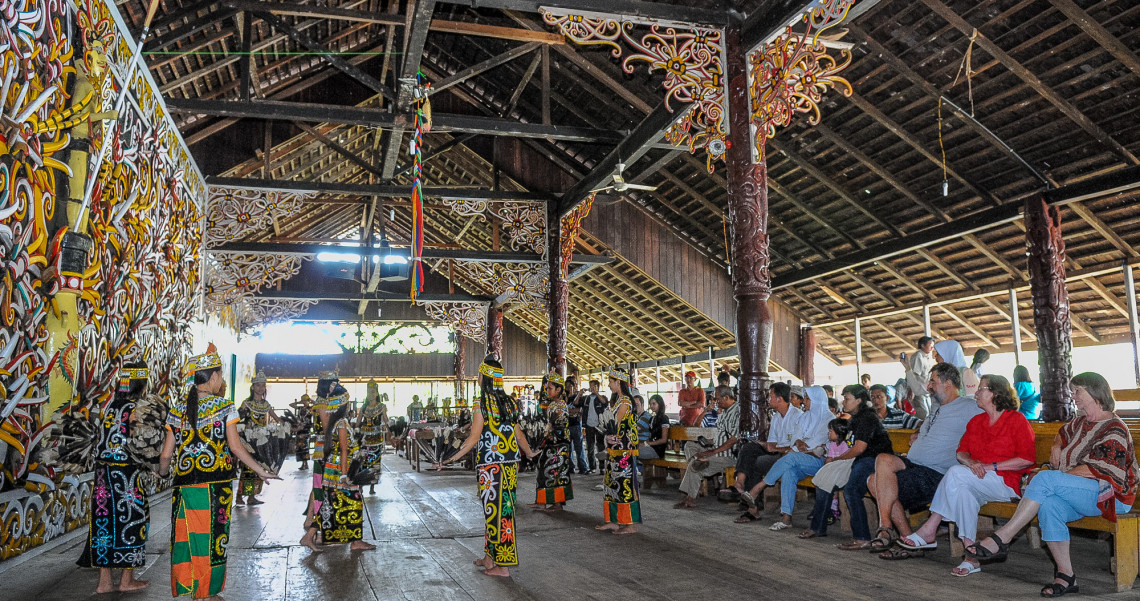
(341,514)
(120,511)
(304,409)
(372,424)
(554,488)
(325,384)
(622,507)
(202,440)
(256,412)
(497,439)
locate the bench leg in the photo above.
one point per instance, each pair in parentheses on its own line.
(844,516)
(1126,542)
(1033,533)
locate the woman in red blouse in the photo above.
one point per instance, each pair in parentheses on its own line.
(997,448)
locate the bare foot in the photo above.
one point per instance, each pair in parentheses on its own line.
(254,501)
(102,590)
(500,571)
(535,506)
(359,545)
(238,502)
(606,526)
(309,540)
(626,530)
(485,562)
(553,508)
(133,585)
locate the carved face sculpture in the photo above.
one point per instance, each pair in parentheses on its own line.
(95,59)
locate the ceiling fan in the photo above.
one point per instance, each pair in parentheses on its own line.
(620,185)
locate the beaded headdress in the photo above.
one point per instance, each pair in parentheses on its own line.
(259,378)
(127,374)
(495,373)
(207,360)
(556,379)
(619,374)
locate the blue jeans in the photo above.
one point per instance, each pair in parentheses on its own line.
(853,494)
(788,471)
(577,452)
(1064,498)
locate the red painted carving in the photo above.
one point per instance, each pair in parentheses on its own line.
(558,307)
(1050,307)
(807,356)
(748,218)
(495,332)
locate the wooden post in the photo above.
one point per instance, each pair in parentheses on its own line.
(1046,262)
(807,356)
(748,219)
(926,320)
(1133,322)
(712,369)
(858,350)
(495,332)
(558,302)
(1013,310)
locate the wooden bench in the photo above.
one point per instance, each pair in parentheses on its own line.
(1125,563)
(675,456)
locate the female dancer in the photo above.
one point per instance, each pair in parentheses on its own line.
(496,438)
(554,488)
(342,510)
(622,507)
(372,424)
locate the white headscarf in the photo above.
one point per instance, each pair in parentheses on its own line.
(951,352)
(813,424)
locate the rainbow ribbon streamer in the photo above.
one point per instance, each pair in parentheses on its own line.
(417,200)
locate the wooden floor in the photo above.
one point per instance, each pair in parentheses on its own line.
(428,529)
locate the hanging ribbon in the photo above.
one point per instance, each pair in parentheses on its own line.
(422,124)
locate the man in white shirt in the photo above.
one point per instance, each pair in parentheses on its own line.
(757,458)
(918,374)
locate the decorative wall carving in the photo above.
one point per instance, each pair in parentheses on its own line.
(250,312)
(524,224)
(466,318)
(232,213)
(526,283)
(230,275)
(691,58)
(28,519)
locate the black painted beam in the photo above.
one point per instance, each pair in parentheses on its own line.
(381,190)
(1117,182)
(378,118)
(294,9)
(377,296)
(458,254)
(632,8)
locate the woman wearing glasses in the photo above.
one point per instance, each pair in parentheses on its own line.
(1094,473)
(995,451)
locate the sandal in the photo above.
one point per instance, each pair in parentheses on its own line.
(777,526)
(881,543)
(898,553)
(806,534)
(914,542)
(1055,589)
(965,569)
(747,498)
(746,518)
(855,545)
(979,552)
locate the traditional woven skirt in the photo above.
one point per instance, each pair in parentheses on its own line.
(370,453)
(622,504)
(120,514)
(303,445)
(198,538)
(553,484)
(250,483)
(342,515)
(497,482)
(318,474)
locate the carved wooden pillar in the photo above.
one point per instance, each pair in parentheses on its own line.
(748,222)
(807,356)
(558,301)
(495,332)
(1050,306)
(460,363)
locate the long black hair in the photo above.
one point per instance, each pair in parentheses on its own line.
(336,416)
(200,378)
(625,392)
(507,407)
(137,386)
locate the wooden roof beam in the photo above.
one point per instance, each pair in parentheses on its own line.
(1049,94)
(1001,311)
(975,330)
(382,190)
(815,216)
(483,67)
(656,11)
(945,268)
(993,255)
(1103,229)
(1096,31)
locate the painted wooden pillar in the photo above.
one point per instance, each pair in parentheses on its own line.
(495,332)
(1133,319)
(748,222)
(807,356)
(558,301)
(1046,247)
